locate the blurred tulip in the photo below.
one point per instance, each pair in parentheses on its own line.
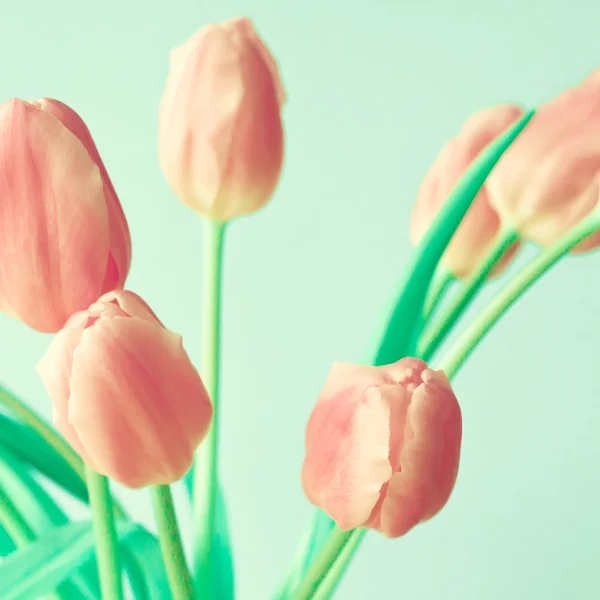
(549,179)
(64,239)
(383,446)
(124,392)
(476,235)
(593,77)
(220,130)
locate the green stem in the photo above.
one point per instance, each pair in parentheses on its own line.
(205,468)
(513,290)
(107,545)
(50,436)
(435,336)
(330,564)
(320,568)
(180,580)
(442,281)
(330,582)
(18,530)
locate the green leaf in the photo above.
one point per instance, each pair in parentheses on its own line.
(6,543)
(141,550)
(42,514)
(145,567)
(223,565)
(30,447)
(406,321)
(41,566)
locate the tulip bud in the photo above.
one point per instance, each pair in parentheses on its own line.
(593,77)
(220,130)
(474,238)
(64,239)
(124,392)
(549,179)
(383,446)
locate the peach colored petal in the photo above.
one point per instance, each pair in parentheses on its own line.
(120,240)
(220,131)
(355,377)
(53,219)
(476,234)
(134,305)
(406,371)
(347,447)
(55,372)
(246,26)
(548,179)
(137,402)
(429,458)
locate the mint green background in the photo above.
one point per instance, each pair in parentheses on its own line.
(375,89)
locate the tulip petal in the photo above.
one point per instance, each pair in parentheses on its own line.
(55,372)
(548,180)
(133,305)
(429,459)
(356,378)
(220,130)
(53,219)
(247,27)
(137,402)
(120,239)
(475,236)
(347,448)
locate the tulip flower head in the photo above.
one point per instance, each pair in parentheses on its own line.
(475,236)
(64,240)
(124,392)
(383,446)
(549,179)
(220,130)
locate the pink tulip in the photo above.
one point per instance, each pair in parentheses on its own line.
(549,179)
(475,236)
(64,239)
(383,446)
(220,130)
(593,77)
(124,392)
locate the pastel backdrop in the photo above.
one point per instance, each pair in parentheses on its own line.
(375,88)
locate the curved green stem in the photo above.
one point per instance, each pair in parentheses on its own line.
(513,290)
(323,564)
(330,582)
(107,544)
(442,281)
(433,337)
(178,573)
(326,571)
(205,468)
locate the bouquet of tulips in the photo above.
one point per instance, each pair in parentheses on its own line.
(383,440)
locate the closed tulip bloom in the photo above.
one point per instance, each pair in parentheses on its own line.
(220,130)
(593,77)
(64,239)
(124,392)
(549,179)
(383,446)
(475,236)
